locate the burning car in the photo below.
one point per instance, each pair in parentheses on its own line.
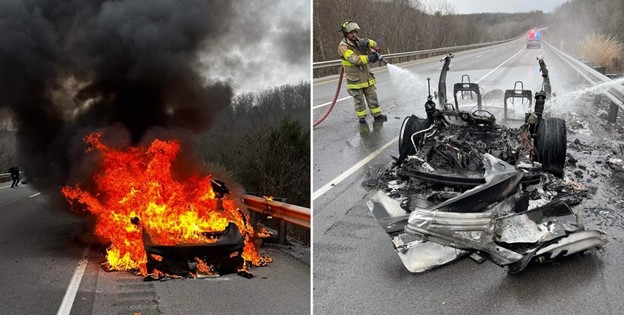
(159,226)
(465,185)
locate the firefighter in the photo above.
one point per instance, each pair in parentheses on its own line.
(356,57)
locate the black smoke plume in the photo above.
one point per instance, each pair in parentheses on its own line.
(70,67)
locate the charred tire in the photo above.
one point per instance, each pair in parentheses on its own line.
(411,125)
(551,144)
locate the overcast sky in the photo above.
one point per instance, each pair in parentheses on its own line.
(476,6)
(268,46)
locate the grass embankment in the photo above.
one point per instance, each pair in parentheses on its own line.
(603,50)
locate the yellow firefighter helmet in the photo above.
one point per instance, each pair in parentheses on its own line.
(349,26)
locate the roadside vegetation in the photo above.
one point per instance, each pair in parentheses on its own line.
(603,50)
(591,29)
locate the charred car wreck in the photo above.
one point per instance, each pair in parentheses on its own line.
(465,185)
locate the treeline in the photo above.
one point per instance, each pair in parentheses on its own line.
(406,25)
(263,139)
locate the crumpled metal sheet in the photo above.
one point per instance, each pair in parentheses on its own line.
(416,254)
(423,255)
(492,218)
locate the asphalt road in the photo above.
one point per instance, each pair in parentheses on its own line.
(40,253)
(356,269)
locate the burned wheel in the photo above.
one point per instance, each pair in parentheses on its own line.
(411,125)
(551,144)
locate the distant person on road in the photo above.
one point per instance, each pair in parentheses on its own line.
(356,57)
(14,171)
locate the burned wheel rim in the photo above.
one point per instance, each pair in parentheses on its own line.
(411,125)
(551,144)
(406,121)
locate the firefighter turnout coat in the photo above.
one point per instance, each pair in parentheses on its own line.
(355,62)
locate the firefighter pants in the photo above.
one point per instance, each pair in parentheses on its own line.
(371,99)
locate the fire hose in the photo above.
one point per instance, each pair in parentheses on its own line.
(320,120)
(333,101)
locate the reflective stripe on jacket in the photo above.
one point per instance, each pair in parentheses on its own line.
(355,62)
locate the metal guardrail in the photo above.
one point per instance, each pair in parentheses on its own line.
(615,93)
(5,177)
(284,212)
(280,210)
(333,63)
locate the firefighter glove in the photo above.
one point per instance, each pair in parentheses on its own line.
(372,58)
(363,44)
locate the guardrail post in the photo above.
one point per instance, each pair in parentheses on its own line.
(613,111)
(281,232)
(597,100)
(613,108)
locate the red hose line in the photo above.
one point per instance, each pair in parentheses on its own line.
(334,101)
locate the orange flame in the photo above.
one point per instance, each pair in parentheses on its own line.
(137,183)
(203,268)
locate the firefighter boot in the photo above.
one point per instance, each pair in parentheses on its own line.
(381,118)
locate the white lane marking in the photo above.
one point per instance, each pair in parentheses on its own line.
(70,294)
(34,195)
(504,62)
(479,56)
(325,104)
(5,186)
(350,171)
(325,188)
